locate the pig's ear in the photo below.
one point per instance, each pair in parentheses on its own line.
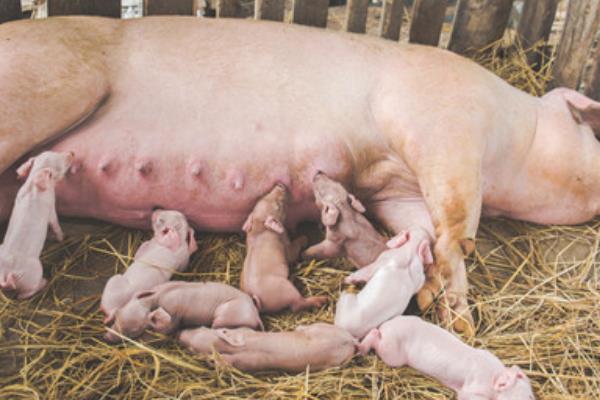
(507,378)
(144,294)
(43,179)
(398,240)
(155,215)
(247,227)
(424,250)
(191,241)
(24,170)
(329,214)
(274,224)
(231,337)
(356,204)
(583,109)
(159,320)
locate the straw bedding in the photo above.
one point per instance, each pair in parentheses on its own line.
(535,292)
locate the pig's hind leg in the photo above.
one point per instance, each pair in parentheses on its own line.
(280,293)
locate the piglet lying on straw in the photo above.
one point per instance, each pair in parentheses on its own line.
(474,374)
(155,261)
(318,346)
(392,279)
(184,304)
(34,209)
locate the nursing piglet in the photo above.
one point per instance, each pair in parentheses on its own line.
(319,346)
(392,279)
(155,261)
(34,210)
(172,305)
(269,251)
(347,232)
(474,374)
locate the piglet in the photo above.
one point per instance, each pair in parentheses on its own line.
(392,279)
(347,231)
(184,304)
(155,261)
(474,374)
(319,346)
(269,250)
(34,210)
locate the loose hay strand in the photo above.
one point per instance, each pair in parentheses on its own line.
(535,292)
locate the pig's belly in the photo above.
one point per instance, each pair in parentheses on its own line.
(123,171)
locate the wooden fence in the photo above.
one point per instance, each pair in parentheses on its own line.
(477,23)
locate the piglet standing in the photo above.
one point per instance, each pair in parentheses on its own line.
(269,251)
(155,261)
(319,346)
(473,373)
(347,231)
(184,304)
(20,267)
(392,279)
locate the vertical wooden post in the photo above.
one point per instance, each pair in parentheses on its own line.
(356,16)
(478,23)
(231,9)
(592,88)
(105,8)
(10,10)
(535,26)
(583,21)
(269,9)
(310,12)
(427,21)
(391,19)
(169,7)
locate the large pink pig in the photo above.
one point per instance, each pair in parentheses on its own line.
(269,251)
(155,261)
(34,210)
(184,304)
(392,279)
(424,137)
(318,346)
(474,374)
(347,232)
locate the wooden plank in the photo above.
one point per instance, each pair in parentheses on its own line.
(356,16)
(269,9)
(592,88)
(478,23)
(427,21)
(105,8)
(583,21)
(391,19)
(535,26)
(233,9)
(169,7)
(10,10)
(310,12)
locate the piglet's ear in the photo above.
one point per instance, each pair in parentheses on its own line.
(507,378)
(356,204)
(191,240)
(329,214)
(424,250)
(143,294)
(398,240)
(583,109)
(159,320)
(43,179)
(155,216)
(273,224)
(24,170)
(247,227)
(231,337)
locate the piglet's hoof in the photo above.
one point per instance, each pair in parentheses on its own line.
(464,324)
(425,298)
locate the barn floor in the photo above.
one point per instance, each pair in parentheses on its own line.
(535,291)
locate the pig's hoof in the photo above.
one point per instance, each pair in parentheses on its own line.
(317,301)
(464,324)
(425,298)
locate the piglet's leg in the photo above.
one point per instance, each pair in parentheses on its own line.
(295,247)
(325,249)
(369,342)
(362,275)
(55,226)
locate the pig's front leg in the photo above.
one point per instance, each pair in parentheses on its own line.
(362,275)
(324,250)
(295,247)
(55,226)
